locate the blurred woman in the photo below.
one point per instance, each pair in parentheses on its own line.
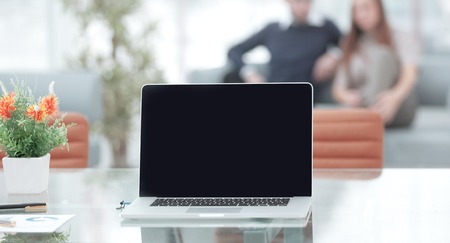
(379,66)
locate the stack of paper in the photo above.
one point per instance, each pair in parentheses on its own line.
(29,223)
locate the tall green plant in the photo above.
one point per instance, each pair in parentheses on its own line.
(129,64)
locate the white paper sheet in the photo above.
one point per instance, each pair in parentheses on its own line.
(37,223)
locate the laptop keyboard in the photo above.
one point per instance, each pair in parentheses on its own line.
(220,202)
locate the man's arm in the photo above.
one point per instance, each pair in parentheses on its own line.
(326,66)
(237,51)
(235,54)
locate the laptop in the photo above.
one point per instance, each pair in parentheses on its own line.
(225,151)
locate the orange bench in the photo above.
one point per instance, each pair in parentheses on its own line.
(347,138)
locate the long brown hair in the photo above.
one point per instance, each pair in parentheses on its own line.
(350,43)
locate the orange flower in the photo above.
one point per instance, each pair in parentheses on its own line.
(7,105)
(37,112)
(50,103)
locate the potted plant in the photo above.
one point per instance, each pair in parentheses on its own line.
(54,237)
(29,129)
(128,64)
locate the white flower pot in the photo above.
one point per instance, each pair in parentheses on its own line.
(26,175)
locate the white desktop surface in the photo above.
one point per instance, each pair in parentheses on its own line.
(389,205)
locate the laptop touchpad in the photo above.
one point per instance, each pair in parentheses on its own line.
(214,210)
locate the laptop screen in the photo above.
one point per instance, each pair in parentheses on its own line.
(226,140)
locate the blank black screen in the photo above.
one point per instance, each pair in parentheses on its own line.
(226,140)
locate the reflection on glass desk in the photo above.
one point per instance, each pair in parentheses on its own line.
(221,231)
(389,205)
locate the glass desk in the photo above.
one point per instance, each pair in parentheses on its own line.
(389,205)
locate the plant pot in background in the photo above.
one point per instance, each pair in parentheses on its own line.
(26,175)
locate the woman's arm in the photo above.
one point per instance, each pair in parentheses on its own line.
(389,101)
(407,81)
(342,94)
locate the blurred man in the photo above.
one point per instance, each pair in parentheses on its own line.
(300,49)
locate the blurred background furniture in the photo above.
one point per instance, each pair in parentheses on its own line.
(77,155)
(78,136)
(426,142)
(347,138)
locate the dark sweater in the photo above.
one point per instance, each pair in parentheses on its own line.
(293,50)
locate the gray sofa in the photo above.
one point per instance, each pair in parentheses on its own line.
(426,143)
(77,92)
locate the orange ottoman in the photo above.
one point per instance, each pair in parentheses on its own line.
(347,138)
